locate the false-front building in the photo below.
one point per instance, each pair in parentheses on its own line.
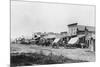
(86,33)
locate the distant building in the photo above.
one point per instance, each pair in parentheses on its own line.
(63,33)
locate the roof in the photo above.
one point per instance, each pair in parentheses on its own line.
(55,36)
(80,36)
(50,36)
(89,28)
(72,24)
(81,27)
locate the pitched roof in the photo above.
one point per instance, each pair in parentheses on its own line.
(90,28)
(82,28)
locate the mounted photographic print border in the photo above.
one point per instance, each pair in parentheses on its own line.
(43,33)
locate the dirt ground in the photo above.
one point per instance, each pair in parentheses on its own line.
(76,54)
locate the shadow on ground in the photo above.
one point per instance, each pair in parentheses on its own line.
(28,59)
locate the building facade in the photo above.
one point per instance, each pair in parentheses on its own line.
(85,33)
(72,29)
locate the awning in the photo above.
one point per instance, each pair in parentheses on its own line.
(73,40)
(56,40)
(80,36)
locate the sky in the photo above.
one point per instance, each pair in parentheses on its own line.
(30,17)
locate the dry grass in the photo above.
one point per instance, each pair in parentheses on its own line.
(74,54)
(26,59)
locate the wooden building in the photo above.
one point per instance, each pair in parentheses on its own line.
(76,30)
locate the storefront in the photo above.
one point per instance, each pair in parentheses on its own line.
(90,41)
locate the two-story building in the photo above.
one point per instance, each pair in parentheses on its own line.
(85,33)
(72,29)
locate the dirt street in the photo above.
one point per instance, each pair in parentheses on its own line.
(77,54)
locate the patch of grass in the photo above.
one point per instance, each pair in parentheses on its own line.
(26,59)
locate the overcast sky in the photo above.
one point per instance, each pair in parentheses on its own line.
(28,17)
